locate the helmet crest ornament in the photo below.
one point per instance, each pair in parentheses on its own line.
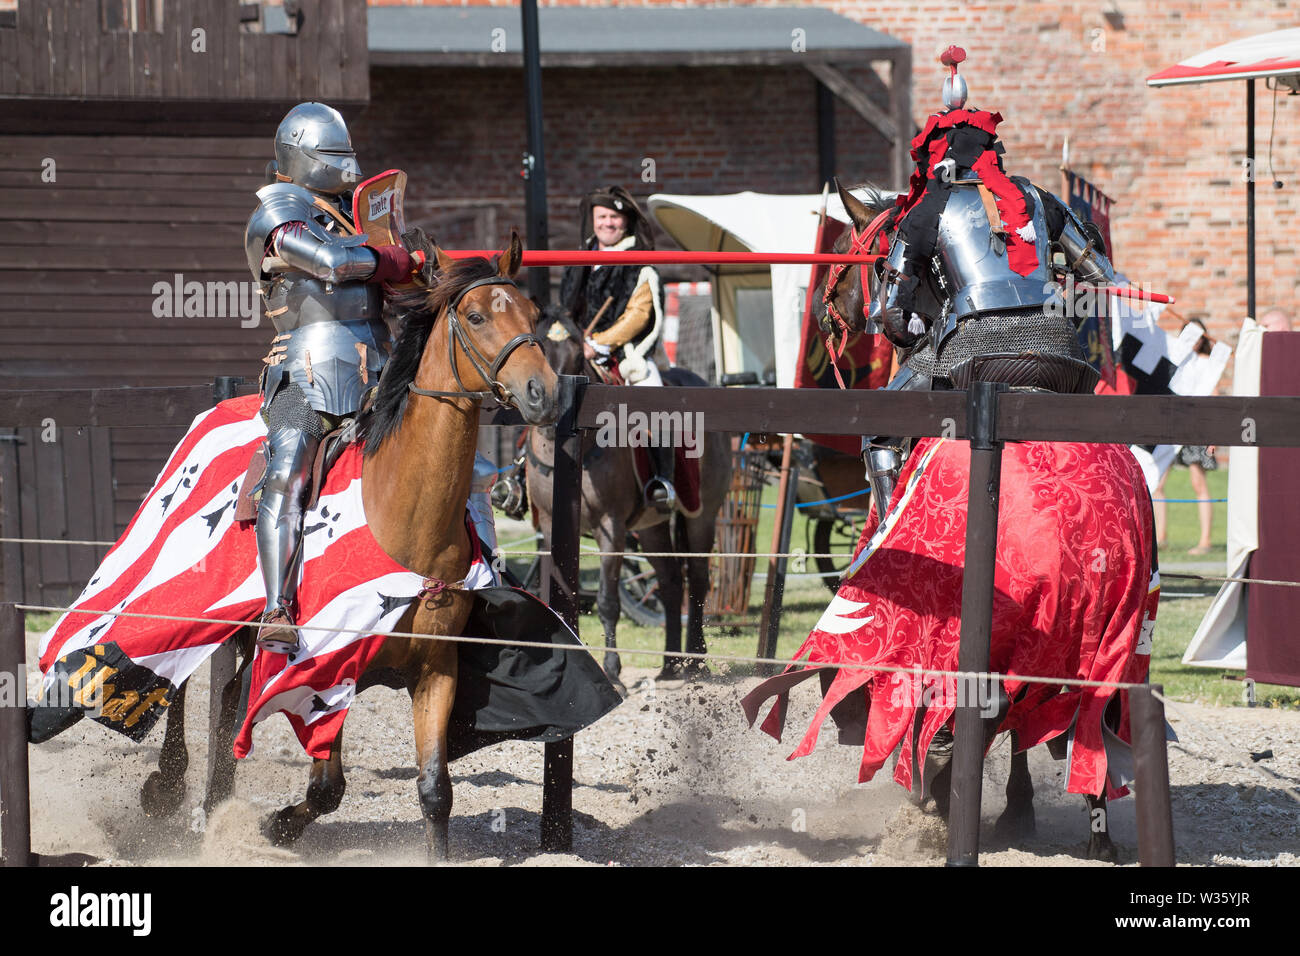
(954,85)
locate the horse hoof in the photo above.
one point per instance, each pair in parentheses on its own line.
(281,829)
(695,668)
(1013,826)
(158,799)
(613,667)
(672,671)
(1103,849)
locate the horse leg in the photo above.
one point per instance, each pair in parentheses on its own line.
(1017,820)
(697,580)
(324,794)
(164,789)
(610,536)
(1100,845)
(431,703)
(222,783)
(668,571)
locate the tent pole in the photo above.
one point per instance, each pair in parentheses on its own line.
(1250,198)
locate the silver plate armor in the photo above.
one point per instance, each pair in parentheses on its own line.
(337,340)
(974,260)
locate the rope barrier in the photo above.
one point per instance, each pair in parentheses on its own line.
(684,655)
(703,554)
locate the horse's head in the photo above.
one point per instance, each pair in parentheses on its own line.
(471,338)
(490,342)
(843,295)
(562,340)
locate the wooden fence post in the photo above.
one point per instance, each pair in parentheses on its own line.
(15,782)
(976,621)
(560,591)
(1155,819)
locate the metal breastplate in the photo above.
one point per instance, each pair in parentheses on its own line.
(994,309)
(974,260)
(295,300)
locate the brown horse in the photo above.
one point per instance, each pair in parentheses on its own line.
(846,307)
(612,505)
(420,436)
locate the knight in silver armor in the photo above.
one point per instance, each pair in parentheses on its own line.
(968,315)
(323,290)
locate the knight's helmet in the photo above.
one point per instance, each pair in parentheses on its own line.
(313,150)
(954,86)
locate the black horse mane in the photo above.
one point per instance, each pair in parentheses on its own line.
(377,423)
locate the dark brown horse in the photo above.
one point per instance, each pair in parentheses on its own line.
(846,306)
(612,505)
(473,338)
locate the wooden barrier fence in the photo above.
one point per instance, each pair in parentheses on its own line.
(987,415)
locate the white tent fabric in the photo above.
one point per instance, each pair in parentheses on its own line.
(1265,54)
(1220,641)
(751,222)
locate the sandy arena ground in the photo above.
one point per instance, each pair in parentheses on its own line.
(672,777)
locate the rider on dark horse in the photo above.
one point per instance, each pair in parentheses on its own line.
(324,292)
(620,308)
(988,240)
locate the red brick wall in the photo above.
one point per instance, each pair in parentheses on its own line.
(700,128)
(1171,158)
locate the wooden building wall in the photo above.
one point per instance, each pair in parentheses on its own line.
(80,257)
(62,49)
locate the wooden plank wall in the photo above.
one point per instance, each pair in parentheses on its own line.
(79,261)
(58,488)
(59,49)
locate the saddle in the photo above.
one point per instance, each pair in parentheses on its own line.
(331,446)
(1036,371)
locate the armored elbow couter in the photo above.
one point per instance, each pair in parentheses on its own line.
(1084,255)
(333,259)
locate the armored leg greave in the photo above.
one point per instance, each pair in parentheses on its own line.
(884,456)
(295,435)
(884,460)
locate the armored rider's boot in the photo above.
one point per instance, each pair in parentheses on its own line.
(659,491)
(884,460)
(279,535)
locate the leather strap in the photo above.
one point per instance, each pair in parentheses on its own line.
(991,210)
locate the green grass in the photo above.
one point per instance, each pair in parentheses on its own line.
(1184,529)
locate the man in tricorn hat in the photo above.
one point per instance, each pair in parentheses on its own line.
(620,307)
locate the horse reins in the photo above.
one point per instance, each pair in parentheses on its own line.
(457,336)
(859,243)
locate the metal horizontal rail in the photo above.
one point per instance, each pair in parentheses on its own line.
(1142,419)
(647,257)
(74,407)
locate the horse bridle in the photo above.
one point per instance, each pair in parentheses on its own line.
(859,243)
(457,336)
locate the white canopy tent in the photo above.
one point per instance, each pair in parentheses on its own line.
(757,309)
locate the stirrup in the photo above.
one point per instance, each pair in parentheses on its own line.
(277,633)
(661,495)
